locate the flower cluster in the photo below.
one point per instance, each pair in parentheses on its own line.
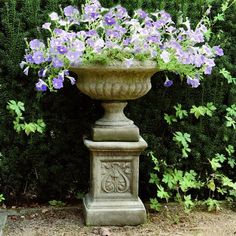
(100,35)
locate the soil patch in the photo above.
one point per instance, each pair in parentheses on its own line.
(172,220)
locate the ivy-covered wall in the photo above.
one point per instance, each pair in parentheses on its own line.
(55,164)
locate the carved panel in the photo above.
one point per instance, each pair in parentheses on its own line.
(116,177)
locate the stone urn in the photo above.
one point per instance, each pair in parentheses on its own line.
(115,143)
(114,85)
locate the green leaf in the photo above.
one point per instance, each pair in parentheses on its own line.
(198,111)
(230,122)
(211,185)
(231,162)
(169,119)
(230,150)
(180,112)
(220,157)
(29,128)
(169,180)
(161,193)
(16,107)
(213,205)
(188,203)
(227,76)
(154,179)
(154,204)
(215,164)
(219,17)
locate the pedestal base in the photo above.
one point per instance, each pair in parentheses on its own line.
(114,171)
(115,212)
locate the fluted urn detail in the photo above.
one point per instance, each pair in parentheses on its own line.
(114,85)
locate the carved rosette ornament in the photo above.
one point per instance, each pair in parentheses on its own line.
(116,177)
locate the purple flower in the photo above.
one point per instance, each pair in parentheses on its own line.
(159,23)
(126,41)
(58,31)
(91,33)
(198,60)
(79,45)
(29,58)
(98,44)
(57,63)
(91,12)
(121,12)
(57,83)
(168,83)
(41,85)
(218,51)
(165,56)
(142,14)
(208,70)
(62,49)
(70,11)
(73,56)
(165,16)
(113,33)
(109,19)
(55,42)
(36,44)
(153,39)
(209,62)
(42,72)
(38,57)
(196,36)
(193,82)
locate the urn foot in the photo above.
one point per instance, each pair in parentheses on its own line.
(114,125)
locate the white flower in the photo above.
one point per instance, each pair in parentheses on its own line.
(165,56)
(129,62)
(54,16)
(62,22)
(22,64)
(46,26)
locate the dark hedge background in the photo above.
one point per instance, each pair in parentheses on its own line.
(55,165)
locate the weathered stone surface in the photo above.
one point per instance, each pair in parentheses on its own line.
(115,82)
(115,133)
(115,212)
(3,219)
(114,125)
(113,197)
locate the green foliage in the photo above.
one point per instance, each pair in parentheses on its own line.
(16,109)
(212,204)
(183,140)
(203,110)
(30,164)
(2,198)
(228,76)
(56,203)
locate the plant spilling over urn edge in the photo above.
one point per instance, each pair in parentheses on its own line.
(97,35)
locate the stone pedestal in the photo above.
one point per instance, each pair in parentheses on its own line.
(113,197)
(116,146)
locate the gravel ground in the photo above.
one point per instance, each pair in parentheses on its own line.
(172,220)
